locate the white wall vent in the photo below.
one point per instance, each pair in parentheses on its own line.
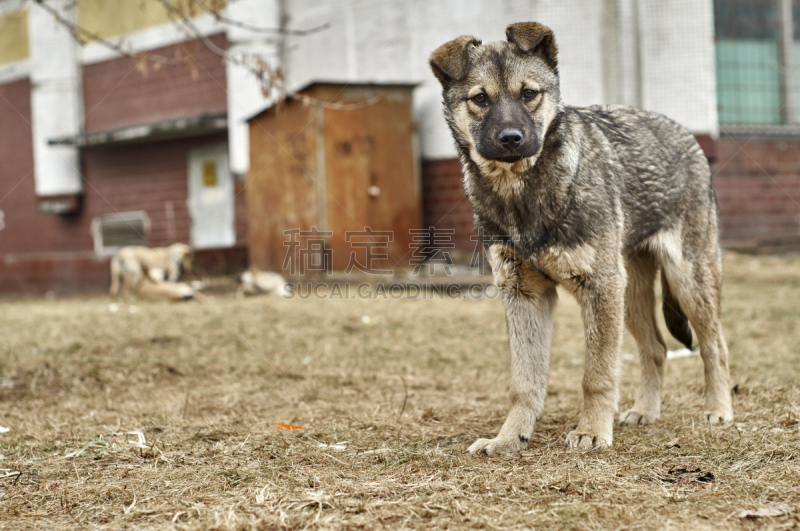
(115,231)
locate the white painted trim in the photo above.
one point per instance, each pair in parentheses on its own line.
(244,91)
(149,39)
(15,71)
(245,98)
(56,100)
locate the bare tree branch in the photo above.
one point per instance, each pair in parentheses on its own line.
(271,78)
(83,36)
(256,29)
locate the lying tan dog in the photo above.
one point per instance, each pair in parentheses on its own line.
(132,265)
(152,290)
(255,282)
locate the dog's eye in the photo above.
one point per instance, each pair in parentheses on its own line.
(528,94)
(480,98)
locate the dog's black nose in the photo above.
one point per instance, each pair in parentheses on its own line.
(510,138)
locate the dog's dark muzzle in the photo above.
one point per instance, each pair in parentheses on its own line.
(511,141)
(508,134)
(509,145)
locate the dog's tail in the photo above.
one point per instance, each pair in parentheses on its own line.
(677,322)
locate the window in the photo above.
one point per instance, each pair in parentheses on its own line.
(757,61)
(115,231)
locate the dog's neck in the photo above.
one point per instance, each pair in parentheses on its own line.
(506,179)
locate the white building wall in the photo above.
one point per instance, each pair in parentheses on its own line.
(678,74)
(391,41)
(627,53)
(385,40)
(661,53)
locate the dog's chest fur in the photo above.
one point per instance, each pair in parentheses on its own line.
(542,212)
(564,252)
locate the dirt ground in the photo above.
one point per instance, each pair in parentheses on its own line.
(168,417)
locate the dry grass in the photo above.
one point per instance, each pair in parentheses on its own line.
(389,409)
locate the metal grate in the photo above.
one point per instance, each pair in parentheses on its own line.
(114,231)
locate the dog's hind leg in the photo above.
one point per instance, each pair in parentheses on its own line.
(640,318)
(529,299)
(695,279)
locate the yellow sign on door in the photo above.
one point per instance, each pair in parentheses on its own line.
(210,173)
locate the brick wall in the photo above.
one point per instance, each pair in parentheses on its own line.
(444,204)
(154,177)
(35,248)
(758,188)
(41,252)
(150,177)
(116,94)
(757,184)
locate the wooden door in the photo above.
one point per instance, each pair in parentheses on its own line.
(372,185)
(395,202)
(281,184)
(347,155)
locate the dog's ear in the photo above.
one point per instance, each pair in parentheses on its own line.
(450,61)
(532,37)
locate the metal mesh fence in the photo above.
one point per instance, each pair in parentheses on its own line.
(757,61)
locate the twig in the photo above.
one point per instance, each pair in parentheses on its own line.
(126,511)
(82,35)
(256,29)
(335,459)
(308,100)
(405,399)
(65,505)
(271,78)
(186,404)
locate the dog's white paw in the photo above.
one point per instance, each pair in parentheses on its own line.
(497,446)
(588,441)
(633,417)
(718,417)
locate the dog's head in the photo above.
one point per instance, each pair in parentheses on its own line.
(500,97)
(183,255)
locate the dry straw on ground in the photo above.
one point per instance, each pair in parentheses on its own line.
(167,417)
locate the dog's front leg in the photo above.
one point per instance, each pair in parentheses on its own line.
(603,308)
(529,299)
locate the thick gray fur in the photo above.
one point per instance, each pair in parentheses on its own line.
(595,200)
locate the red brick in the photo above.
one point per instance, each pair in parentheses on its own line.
(117,95)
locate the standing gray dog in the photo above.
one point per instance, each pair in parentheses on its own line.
(593,199)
